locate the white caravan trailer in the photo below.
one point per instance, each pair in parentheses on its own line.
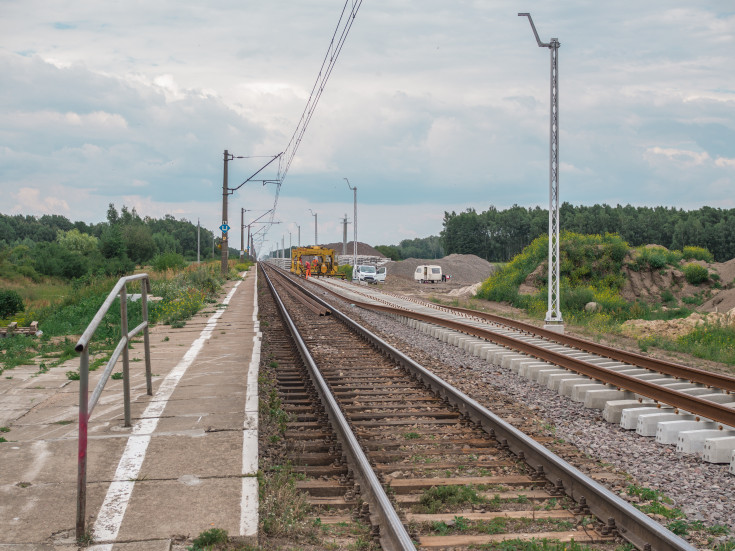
(428,273)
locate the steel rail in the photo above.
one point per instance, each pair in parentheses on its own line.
(630,523)
(692,374)
(703,408)
(693,404)
(392,532)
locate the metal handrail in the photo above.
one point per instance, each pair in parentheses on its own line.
(86,403)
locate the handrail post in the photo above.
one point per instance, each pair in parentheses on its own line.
(82,455)
(125,355)
(144,283)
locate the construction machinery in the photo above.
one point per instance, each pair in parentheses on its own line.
(320,259)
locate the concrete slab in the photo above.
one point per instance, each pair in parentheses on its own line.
(719,397)
(197,504)
(554,380)
(629,417)
(542,376)
(718,449)
(566,386)
(597,399)
(614,408)
(530,370)
(41,513)
(55,461)
(579,391)
(692,441)
(505,361)
(668,431)
(648,422)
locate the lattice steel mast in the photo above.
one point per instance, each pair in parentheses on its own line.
(553,313)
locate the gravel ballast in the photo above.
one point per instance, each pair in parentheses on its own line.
(703,491)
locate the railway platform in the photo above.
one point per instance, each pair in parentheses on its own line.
(188,463)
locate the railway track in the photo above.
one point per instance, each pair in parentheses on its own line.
(690,408)
(456,474)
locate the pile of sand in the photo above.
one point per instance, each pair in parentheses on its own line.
(464,269)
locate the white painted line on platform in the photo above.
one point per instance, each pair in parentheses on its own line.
(249,501)
(111,514)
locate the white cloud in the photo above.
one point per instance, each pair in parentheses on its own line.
(32,200)
(682,156)
(430,105)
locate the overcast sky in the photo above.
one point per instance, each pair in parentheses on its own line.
(432,106)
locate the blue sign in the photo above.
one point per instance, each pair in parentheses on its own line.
(225,228)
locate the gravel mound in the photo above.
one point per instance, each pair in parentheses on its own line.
(464,269)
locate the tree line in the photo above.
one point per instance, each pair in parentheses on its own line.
(421,247)
(53,245)
(498,235)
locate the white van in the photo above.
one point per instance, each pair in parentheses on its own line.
(364,273)
(380,274)
(428,273)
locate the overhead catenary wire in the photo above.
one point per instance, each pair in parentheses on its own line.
(339,36)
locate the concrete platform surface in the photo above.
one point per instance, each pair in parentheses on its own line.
(186,465)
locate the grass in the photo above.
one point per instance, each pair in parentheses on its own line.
(709,341)
(438,499)
(591,271)
(65,310)
(656,502)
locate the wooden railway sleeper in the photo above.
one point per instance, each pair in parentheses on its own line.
(634,526)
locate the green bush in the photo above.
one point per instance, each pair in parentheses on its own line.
(697,253)
(695,274)
(168,261)
(576,298)
(657,261)
(10,303)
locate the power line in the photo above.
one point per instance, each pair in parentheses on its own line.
(344,24)
(330,59)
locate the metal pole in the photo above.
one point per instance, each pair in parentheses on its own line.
(344,235)
(242,233)
(354,224)
(199,241)
(125,357)
(553,313)
(144,284)
(225,245)
(250,249)
(82,449)
(299,234)
(314,214)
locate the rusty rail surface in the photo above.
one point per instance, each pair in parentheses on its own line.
(704,408)
(393,533)
(629,522)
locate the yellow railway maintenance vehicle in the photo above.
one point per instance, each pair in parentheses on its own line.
(320,259)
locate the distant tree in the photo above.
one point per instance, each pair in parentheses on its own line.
(112,244)
(52,259)
(166,243)
(75,241)
(139,244)
(112,216)
(390,251)
(10,303)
